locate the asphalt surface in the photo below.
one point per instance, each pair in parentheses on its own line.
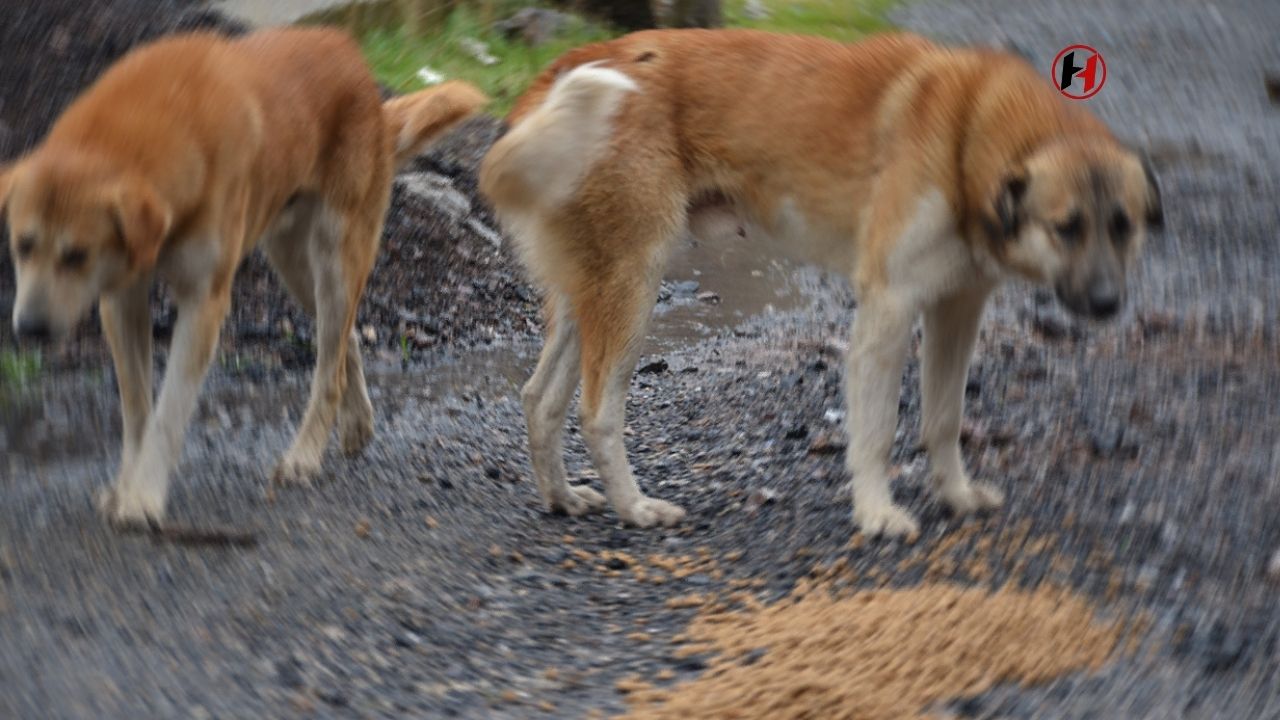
(424,577)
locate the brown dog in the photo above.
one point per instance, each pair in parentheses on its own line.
(175,164)
(924,175)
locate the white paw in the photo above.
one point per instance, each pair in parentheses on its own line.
(884,519)
(295,471)
(131,509)
(355,430)
(647,512)
(971,497)
(580,500)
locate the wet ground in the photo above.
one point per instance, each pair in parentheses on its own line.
(425,577)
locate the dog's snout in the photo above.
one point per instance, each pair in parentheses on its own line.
(1104,299)
(31,329)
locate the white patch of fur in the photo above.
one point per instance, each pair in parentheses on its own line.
(929,259)
(549,152)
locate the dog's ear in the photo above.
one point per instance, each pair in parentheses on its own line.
(142,221)
(1155,208)
(1008,203)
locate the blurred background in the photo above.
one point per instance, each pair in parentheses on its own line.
(1132,573)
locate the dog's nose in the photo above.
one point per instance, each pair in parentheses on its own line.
(1104,300)
(31,329)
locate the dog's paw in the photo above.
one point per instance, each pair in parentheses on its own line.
(355,430)
(971,497)
(131,510)
(580,500)
(885,519)
(647,512)
(294,471)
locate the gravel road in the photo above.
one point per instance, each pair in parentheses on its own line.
(424,578)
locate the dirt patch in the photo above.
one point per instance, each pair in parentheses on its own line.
(881,654)
(848,644)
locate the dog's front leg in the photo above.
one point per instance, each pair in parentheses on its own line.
(126,323)
(877,353)
(950,328)
(139,494)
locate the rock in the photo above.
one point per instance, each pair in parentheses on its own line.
(533,25)
(1224,648)
(755,10)
(479,50)
(429,76)
(797,432)
(438,191)
(1053,327)
(407,639)
(709,297)
(1272,81)
(691,664)
(1112,440)
(828,443)
(1273,568)
(760,497)
(685,289)
(336,698)
(654,367)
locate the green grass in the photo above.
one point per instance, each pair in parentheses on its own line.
(844,20)
(18,369)
(396,55)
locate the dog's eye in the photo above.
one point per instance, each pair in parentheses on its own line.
(26,246)
(1120,226)
(1070,228)
(73,259)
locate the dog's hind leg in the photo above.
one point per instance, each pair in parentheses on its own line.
(355,415)
(339,267)
(613,314)
(950,328)
(546,398)
(287,246)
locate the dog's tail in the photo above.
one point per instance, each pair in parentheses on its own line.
(540,161)
(416,119)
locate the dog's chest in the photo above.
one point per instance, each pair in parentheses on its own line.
(927,258)
(189,265)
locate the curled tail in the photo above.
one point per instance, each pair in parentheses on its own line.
(540,162)
(414,120)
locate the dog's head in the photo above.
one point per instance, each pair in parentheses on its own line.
(77,230)
(1074,215)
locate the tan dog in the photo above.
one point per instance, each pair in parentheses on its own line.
(175,164)
(925,175)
